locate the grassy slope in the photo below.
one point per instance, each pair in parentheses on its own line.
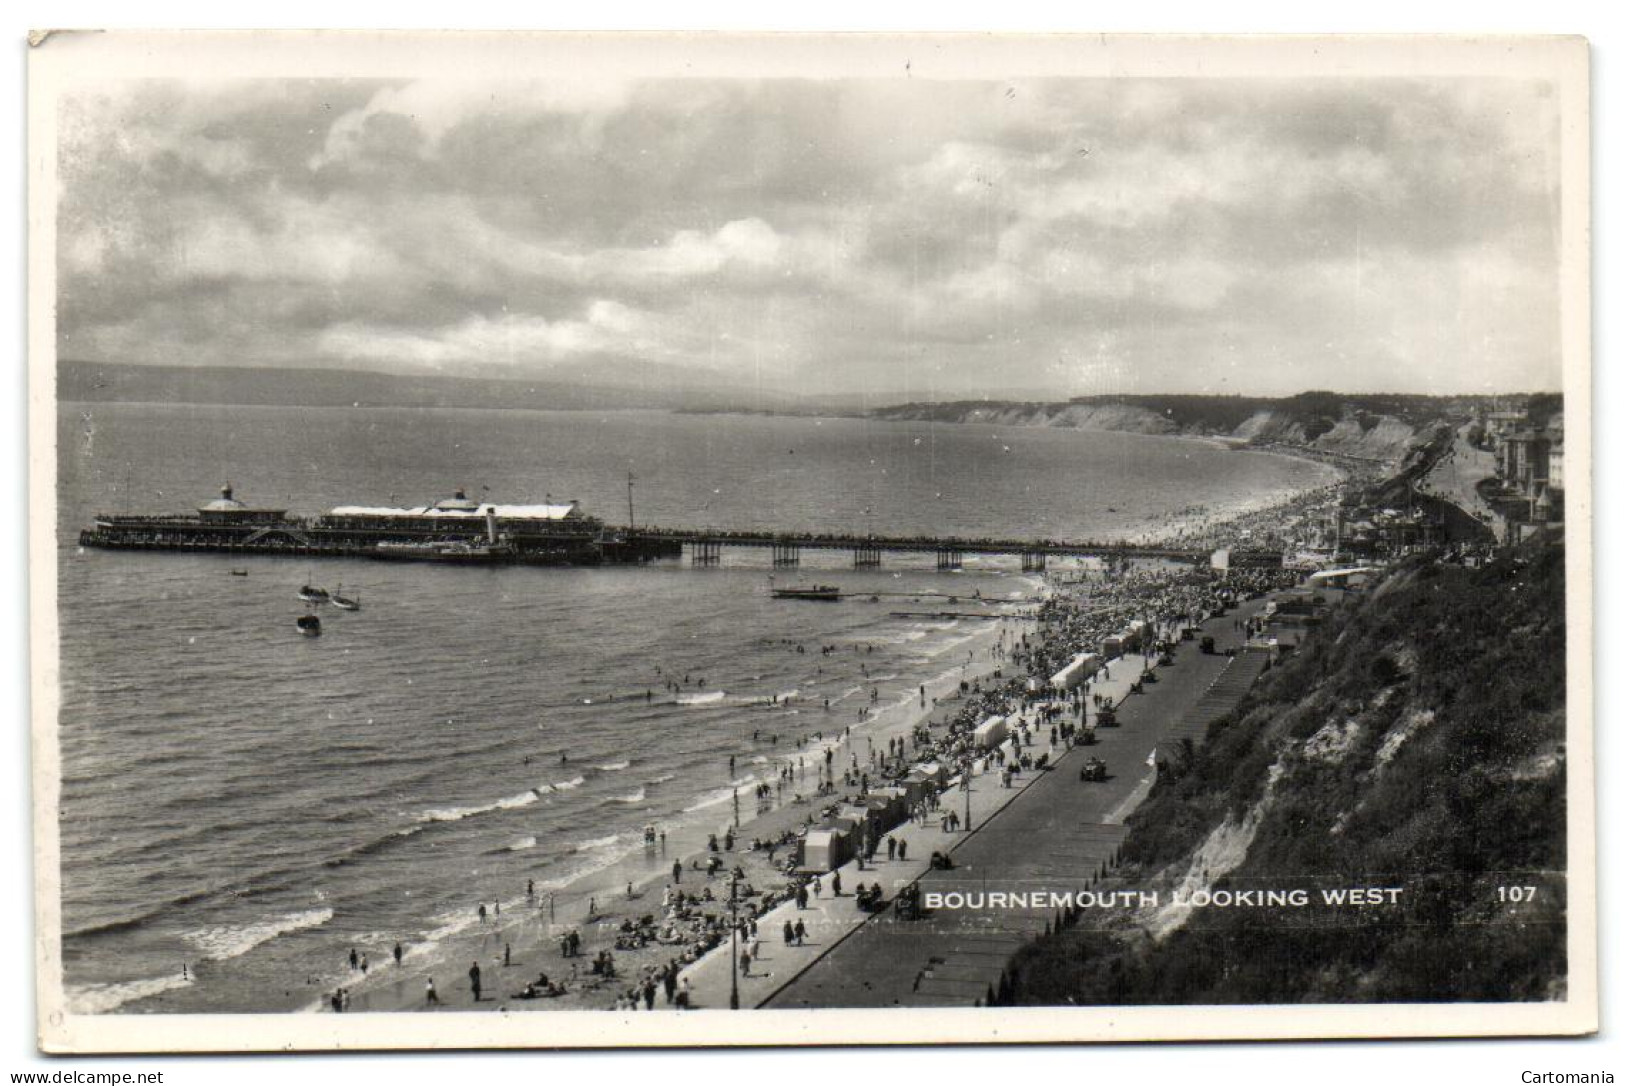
(1471,661)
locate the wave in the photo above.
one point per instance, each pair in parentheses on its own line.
(103,998)
(221,943)
(457,814)
(663,778)
(710,697)
(611,767)
(377,844)
(635,797)
(597,842)
(722,795)
(521,845)
(573,782)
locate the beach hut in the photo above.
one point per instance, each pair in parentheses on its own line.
(1112,647)
(990,733)
(892,804)
(826,848)
(916,785)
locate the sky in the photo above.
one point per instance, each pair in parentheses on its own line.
(897,238)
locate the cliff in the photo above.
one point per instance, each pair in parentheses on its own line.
(1415,742)
(1372,428)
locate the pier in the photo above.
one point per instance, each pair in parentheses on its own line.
(705,547)
(461,530)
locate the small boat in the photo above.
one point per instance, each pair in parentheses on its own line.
(343,602)
(312,594)
(808,592)
(239,573)
(309,625)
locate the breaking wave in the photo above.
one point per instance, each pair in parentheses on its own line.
(222,943)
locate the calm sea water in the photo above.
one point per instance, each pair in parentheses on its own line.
(252,803)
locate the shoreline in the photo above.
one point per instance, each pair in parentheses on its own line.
(531,936)
(530,927)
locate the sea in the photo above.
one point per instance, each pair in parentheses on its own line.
(240,805)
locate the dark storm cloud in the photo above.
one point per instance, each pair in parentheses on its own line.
(1033,237)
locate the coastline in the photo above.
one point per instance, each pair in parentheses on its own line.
(527,932)
(529,928)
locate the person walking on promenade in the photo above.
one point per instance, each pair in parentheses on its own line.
(430,996)
(902,849)
(789,933)
(744,961)
(474,980)
(835,884)
(891,847)
(801,897)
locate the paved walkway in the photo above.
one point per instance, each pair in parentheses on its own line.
(829,919)
(1060,835)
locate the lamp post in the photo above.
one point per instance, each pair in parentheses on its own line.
(733,922)
(969,770)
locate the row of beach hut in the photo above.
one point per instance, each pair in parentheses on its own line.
(870,817)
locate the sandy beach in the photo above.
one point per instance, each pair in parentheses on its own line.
(522,941)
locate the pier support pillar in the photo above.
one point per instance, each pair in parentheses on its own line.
(705,552)
(1034,562)
(787,554)
(865,557)
(950,558)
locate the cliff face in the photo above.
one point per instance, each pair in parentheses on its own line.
(1377,429)
(1415,742)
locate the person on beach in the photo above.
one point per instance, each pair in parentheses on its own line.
(398,953)
(677,871)
(430,996)
(474,980)
(363,965)
(482,920)
(354,960)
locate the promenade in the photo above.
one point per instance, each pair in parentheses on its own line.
(1048,831)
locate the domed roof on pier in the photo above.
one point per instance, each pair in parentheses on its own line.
(225,503)
(458,503)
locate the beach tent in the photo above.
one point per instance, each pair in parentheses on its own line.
(935,772)
(990,733)
(1072,676)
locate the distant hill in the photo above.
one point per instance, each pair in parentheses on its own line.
(1382,428)
(649,387)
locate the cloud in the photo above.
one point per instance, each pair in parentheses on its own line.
(1039,237)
